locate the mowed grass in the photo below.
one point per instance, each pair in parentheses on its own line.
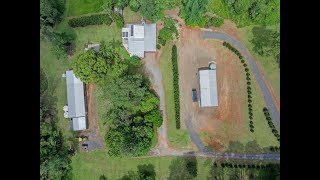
(54,69)
(262,133)
(93,164)
(80,7)
(178,138)
(267,65)
(130,16)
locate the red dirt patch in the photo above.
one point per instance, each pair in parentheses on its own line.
(194,53)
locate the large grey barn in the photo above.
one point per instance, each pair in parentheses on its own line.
(208,88)
(76,101)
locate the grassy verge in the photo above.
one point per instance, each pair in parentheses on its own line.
(267,65)
(178,138)
(80,7)
(54,69)
(93,164)
(131,16)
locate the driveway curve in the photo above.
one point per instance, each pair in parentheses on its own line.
(275,114)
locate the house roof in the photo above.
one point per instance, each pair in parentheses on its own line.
(150,37)
(138,31)
(136,47)
(75,95)
(79,123)
(208,88)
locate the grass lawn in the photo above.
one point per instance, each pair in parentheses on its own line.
(54,69)
(131,16)
(178,138)
(93,164)
(267,65)
(262,134)
(80,7)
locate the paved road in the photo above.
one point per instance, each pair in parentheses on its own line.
(275,114)
(206,152)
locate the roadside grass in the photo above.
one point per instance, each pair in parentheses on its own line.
(262,133)
(178,138)
(54,69)
(80,7)
(267,65)
(131,16)
(92,165)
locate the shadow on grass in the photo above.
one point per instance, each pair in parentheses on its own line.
(250,147)
(183,168)
(145,171)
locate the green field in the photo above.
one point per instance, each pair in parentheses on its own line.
(54,69)
(178,138)
(80,7)
(93,164)
(131,16)
(262,134)
(267,65)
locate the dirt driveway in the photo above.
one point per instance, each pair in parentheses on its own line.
(95,140)
(195,53)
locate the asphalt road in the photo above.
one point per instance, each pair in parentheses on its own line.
(275,114)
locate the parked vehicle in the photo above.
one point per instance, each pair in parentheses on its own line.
(194,95)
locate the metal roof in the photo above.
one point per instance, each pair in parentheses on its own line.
(79,123)
(75,94)
(144,38)
(150,37)
(208,88)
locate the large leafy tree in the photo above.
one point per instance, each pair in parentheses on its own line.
(92,67)
(193,12)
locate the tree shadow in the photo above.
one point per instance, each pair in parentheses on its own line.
(250,147)
(184,168)
(145,171)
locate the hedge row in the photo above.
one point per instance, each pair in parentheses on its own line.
(270,123)
(96,19)
(176,85)
(233,165)
(249,92)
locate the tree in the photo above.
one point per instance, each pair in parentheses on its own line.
(154,117)
(149,103)
(178,170)
(134,5)
(92,67)
(168,32)
(146,172)
(193,12)
(151,9)
(49,12)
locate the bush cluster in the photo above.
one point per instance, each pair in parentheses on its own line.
(176,85)
(275,148)
(215,22)
(270,123)
(96,19)
(246,69)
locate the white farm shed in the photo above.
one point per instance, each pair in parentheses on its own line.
(208,88)
(76,103)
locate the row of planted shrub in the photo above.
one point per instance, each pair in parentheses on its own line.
(249,92)
(235,165)
(96,19)
(176,85)
(270,123)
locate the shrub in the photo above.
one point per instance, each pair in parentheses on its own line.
(252,130)
(247,74)
(248,83)
(176,85)
(158,46)
(90,20)
(242,61)
(246,69)
(214,21)
(245,65)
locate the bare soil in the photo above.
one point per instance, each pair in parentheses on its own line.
(195,53)
(95,140)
